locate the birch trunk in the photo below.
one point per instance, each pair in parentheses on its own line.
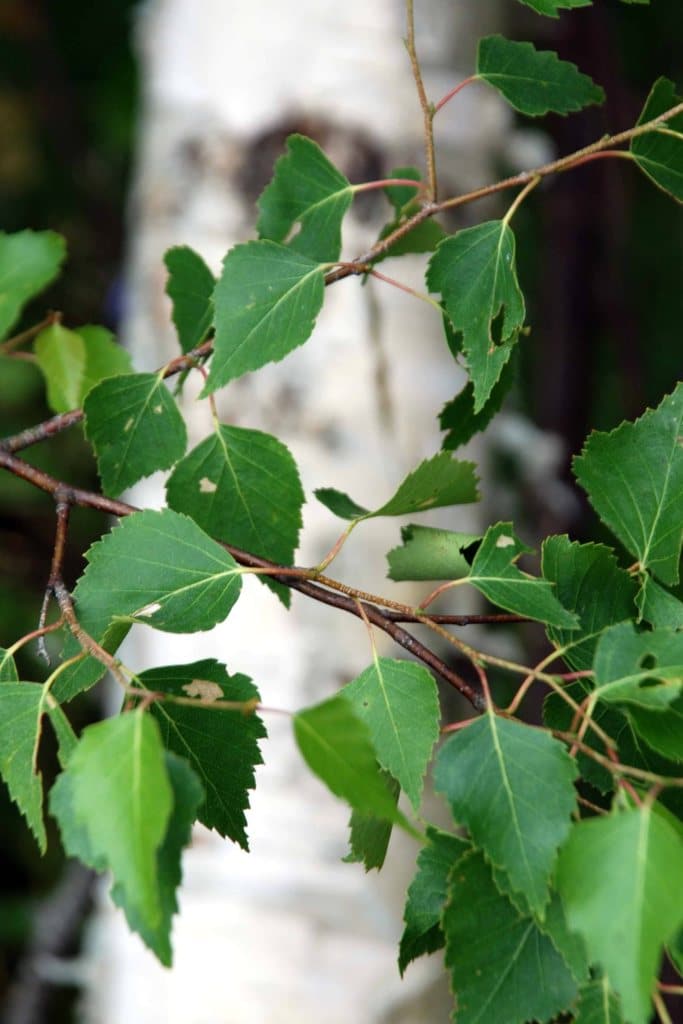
(288,932)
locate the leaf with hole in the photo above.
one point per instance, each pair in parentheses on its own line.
(496,576)
(644,669)
(266,303)
(307,190)
(533,81)
(242,487)
(428,553)
(135,428)
(474,272)
(221,744)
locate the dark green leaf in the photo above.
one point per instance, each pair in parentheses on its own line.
(267,299)
(425,236)
(534,81)
(474,271)
(588,581)
(645,669)
(402,195)
(598,1004)
(398,701)
(659,153)
(243,487)
(459,418)
(21,711)
(60,354)
(427,895)
(552,7)
(496,576)
(220,744)
(135,427)
(428,553)
(369,838)
(187,795)
(634,480)
(190,287)
(511,785)
(436,483)
(29,260)
(307,190)
(113,804)
(657,606)
(503,967)
(662,730)
(614,876)
(336,746)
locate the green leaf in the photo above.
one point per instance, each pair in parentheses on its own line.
(243,487)
(512,787)
(614,876)
(534,81)
(552,7)
(459,418)
(190,287)
(8,668)
(336,746)
(634,480)
(66,737)
(588,581)
(474,271)
(160,569)
(309,191)
(659,153)
(21,711)
(113,804)
(428,553)
(424,237)
(598,1004)
(135,427)
(399,703)
(662,730)
(675,951)
(496,576)
(436,483)
(221,745)
(568,944)
(60,354)
(427,896)
(267,299)
(187,795)
(29,260)
(657,606)
(401,196)
(503,967)
(104,357)
(645,669)
(369,837)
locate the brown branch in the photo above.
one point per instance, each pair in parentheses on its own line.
(315,590)
(425,105)
(63,509)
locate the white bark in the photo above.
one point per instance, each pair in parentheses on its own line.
(288,932)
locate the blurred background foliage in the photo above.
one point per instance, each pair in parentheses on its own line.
(600,260)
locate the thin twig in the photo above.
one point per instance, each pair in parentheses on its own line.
(63,509)
(425,105)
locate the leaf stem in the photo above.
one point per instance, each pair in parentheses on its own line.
(368,186)
(519,199)
(405,288)
(454,92)
(19,339)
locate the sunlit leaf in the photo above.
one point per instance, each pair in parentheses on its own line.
(29,260)
(428,553)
